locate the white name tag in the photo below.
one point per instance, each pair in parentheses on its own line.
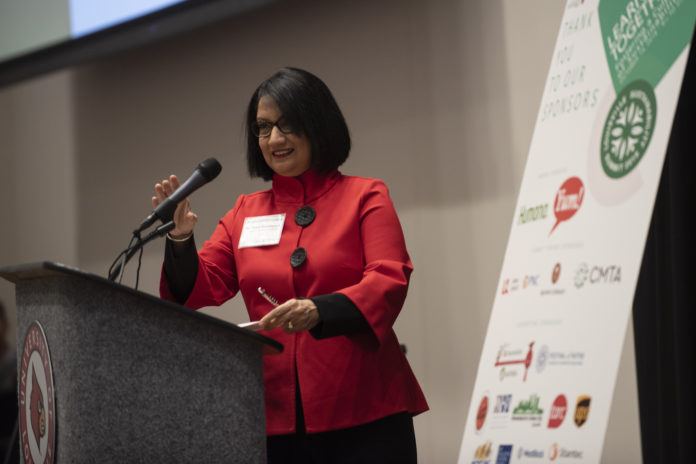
(262,230)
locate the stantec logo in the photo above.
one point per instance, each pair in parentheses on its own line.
(553,451)
(556,452)
(597,274)
(558,411)
(568,200)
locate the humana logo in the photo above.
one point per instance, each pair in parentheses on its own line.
(533,213)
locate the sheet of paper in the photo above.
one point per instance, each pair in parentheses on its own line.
(253,325)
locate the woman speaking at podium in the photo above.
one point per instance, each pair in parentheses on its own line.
(320,260)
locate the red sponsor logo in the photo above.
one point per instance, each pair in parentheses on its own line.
(556,273)
(503,360)
(482,413)
(558,411)
(568,200)
(37,413)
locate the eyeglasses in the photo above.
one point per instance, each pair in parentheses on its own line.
(263,129)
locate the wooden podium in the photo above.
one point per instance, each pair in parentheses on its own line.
(134,378)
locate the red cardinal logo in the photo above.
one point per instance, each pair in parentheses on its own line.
(36,407)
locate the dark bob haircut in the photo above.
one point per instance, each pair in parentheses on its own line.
(308,106)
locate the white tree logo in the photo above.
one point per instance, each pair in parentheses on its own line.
(627,130)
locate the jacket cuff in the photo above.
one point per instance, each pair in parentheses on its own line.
(338,315)
(181,268)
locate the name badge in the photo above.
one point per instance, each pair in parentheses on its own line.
(261,230)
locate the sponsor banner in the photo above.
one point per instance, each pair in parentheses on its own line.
(548,365)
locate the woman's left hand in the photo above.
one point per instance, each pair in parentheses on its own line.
(292,316)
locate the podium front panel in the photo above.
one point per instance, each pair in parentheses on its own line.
(136,381)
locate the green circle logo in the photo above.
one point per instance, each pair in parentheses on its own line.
(628,129)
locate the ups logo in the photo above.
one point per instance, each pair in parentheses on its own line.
(582,410)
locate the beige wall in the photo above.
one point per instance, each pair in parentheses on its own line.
(441,98)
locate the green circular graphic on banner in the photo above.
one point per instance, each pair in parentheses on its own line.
(628,129)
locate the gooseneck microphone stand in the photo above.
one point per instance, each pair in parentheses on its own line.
(136,244)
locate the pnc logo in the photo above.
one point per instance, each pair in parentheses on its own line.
(530,281)
(558,412)
(568,200)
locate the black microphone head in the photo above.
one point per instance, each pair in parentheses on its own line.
(209,169)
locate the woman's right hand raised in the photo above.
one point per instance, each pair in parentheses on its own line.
(184,219)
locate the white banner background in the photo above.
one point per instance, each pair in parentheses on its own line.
(566,286)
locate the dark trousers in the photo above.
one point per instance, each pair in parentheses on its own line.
(384,441)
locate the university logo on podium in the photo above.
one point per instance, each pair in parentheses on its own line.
(37,415)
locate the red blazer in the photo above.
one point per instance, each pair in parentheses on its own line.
(354,246)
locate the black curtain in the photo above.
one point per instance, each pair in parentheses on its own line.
(665,298)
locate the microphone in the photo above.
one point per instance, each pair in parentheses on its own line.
(204,173)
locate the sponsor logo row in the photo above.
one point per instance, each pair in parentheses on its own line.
(529,411)
(584,275)
(567,203)
(484,453)
(515,361)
